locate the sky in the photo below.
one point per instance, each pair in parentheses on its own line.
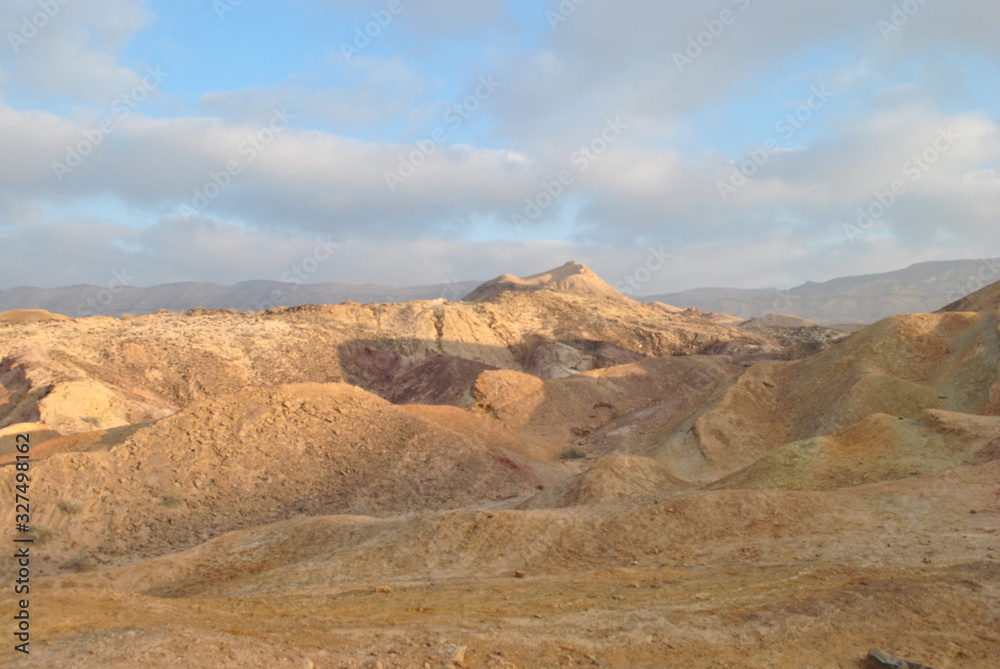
(667,145)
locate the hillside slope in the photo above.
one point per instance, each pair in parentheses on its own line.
(76,375)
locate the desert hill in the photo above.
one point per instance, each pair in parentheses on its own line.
(308,449)
(541,476)
(571,279)
(29,316)
(902,366)
(101,372)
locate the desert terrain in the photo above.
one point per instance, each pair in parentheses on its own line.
(544,474)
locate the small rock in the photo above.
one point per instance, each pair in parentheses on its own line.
(458,657)
(519,574)
(879,660)
(383,589)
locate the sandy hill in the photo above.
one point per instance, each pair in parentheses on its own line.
(535,479)
(29,316)
(597,410)
(571,279)
(903,366)
(308,449)
(880,447)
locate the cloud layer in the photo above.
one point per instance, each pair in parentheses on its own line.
(755,144)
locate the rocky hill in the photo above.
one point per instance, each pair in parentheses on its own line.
(105,372)
(570,279)
(545,475)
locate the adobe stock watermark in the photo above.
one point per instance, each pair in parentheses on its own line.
(121,108)
(580,161)
(631,283)
(225,7)
(365,34)
(782,303)
(701,42)
(91,306)
(989,273)
(453,118)
(452,291)
(900,16)
(299,272)
(914,170)
(758,156)
(249,150)
(32,25)
(565,9)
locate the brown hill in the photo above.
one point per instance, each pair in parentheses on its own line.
(877,448)
(259,456)
(571,279)
(901,366)
(29,316)
(611,478)
(602,410)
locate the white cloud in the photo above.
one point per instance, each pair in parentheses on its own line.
(656,182)
(74,52)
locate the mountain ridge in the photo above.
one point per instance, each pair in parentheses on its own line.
(919,288)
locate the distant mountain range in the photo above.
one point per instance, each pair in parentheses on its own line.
(921,288)
(115,300)
(924,287)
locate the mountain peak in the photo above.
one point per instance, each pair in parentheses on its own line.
(570,278)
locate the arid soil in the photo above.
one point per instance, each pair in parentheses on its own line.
(541,476)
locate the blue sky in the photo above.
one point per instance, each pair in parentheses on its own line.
(746,138)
